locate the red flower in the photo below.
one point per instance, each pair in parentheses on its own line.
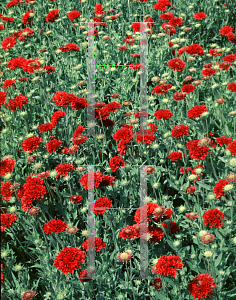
(156,232)
(26,17)
(171,227)
(226,30)
(99,10)
(99,180)
(157,284)
(201,286)
(209,71)
(69,47)
(3,98)
(200,16)
(175,155)
(185,170)
(116,162)
(6,190)
(218,189)
(191,216)
(85,275)
(8,43)
(69,260)
(196,111)
(195,151)
(18,102)
(33,189)
(162,89)
(129,40)
(2,273)
(147,135)
(91,241)
(30,144)
(12,3)
(176,64)
(223,140)
(53,144)
(55,226)
(188,88)
(8,83)
(76,198)
(46,127)
(128,232)
(207,238)
(179,96)
(167,16)
(163,114)
(195,49)
(136,66)
(57,115)
(190,189)
(63,169)
(232,86)
(100,205)
(6,166)
(179,131)
(62,99)
(232,147)
(122,48)
(176,21)
(17,62)
(7,219)
(167,265)
(150,208)
(229,57)
(213,218)
(32,65)
(137,26)
(52,16)
(74,14)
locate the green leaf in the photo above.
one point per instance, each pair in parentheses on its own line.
(218,260)
(207,187)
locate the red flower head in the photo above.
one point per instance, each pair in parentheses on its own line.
(128,232)
(53,144)
(52,16)
(6,166)
(195,151)
(190,189)
(191,216)
(99,10)
(176,64)
(163,114)
(157,284)
(218,189)
(231,86)
(200,16)
(226,30)
(137,26)
(179,96)
(8,43)
(91,241)
(201,286)
(175,155)
(100,205)
(63,169)
(74,14)
(156,233)
(55,226)
(116,162)
(6,190)
(196,111)
(213,218)
(69,260)
(167,265)
(188,88)
(179,130)
(30,144)
(69,47)
(27,18)
(7,219)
